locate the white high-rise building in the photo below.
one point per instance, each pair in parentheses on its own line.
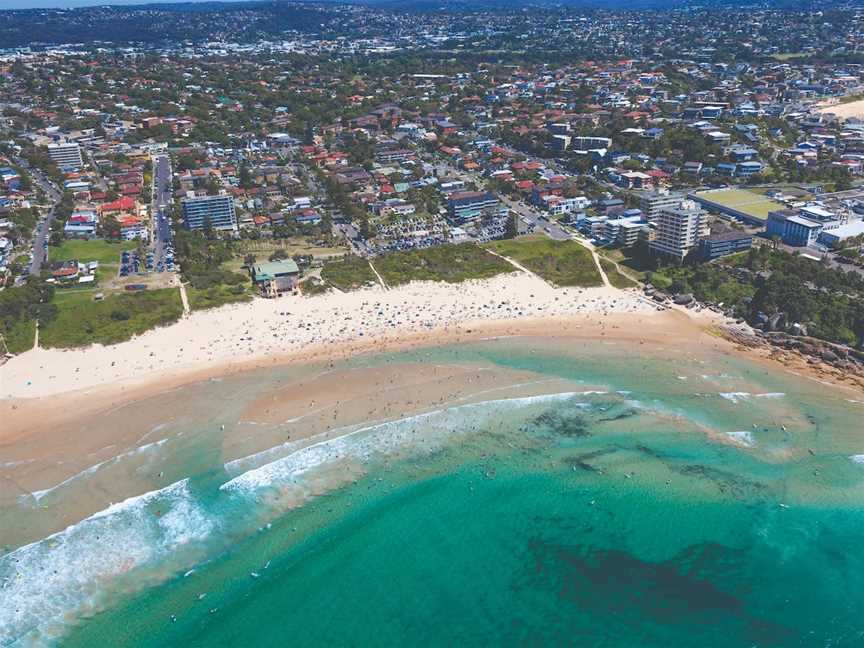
(66,155)
(653,202)
(678,230)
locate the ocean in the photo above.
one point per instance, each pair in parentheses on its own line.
(611,496)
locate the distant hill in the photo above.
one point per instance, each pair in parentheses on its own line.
(199,21)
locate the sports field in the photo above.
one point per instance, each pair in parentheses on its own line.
(739,202)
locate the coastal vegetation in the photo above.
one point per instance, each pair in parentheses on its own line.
(20,336)
(312,286)
(203,262)
(349,273)
(450,263)
(20,308)
(776,290)
(616,277)
(218,295)
(81,321)
(563,263)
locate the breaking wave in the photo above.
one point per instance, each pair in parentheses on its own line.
(71,570)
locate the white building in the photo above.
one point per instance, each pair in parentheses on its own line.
(653,202)
(66,155)
(679,230)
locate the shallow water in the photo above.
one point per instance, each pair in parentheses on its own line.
(654,498)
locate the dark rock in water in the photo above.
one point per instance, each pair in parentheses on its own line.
(623,414)
(581,461)
(562,422)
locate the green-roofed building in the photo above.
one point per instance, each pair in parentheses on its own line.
(276,277)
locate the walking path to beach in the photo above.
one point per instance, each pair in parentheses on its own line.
(185,299)
(328,324)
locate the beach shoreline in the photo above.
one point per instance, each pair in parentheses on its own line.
(296,329)
(42,388)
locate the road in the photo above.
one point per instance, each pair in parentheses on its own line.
(536,220)
(43,229)
(531,217)
(161,210)
(350,233)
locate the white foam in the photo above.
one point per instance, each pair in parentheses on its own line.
(13,464)
(70,571)
(736,397)
(39,494)
(742,437)
(858,458)
(380,438)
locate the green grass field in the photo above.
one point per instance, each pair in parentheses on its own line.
(450,263)
(350,273)
(96,250)
(751,203)
(563,263)
(786,56)
(81,321)
(636,261)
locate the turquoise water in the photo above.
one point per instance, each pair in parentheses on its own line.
(678,499)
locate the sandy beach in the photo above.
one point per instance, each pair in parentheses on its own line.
(332,325)
(844,110)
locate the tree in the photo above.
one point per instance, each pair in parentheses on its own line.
(110,228)
(249,260)
(511,229)
(245,177)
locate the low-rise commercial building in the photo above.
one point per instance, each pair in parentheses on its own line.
(793,228)
(467,206)
(724,242)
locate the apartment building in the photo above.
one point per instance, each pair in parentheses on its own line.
(66,155)
(678,230)
(217,212)
(653,202)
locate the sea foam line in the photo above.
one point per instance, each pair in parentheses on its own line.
(378,438)
(39,494)
(736,397)
(742,437)
(242,464)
